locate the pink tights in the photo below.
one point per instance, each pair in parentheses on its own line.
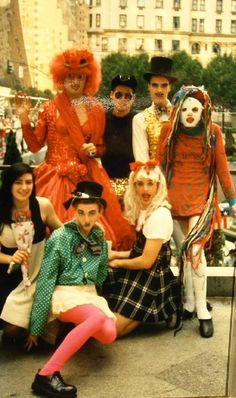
(91,322)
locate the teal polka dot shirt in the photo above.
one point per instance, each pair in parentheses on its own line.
(70,259)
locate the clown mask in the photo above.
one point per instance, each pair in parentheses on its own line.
(191,112)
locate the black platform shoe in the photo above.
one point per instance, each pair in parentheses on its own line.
(206,327)
(53,386)
(209,306)
(188,314)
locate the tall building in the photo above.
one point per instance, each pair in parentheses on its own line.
(204,28)
(34,31)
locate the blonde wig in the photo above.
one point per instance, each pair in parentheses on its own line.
(149,171)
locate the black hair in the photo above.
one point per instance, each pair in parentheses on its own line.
(8,177)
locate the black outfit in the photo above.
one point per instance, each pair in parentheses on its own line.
(118,142)
(148,296)
(9,282)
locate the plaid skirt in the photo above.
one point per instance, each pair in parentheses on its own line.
(149,296)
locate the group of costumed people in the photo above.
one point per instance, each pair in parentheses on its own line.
(176,178)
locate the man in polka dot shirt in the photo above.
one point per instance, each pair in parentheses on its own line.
(75,262)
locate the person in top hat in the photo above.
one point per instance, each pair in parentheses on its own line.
(147,124)
(118,132)
(75,262)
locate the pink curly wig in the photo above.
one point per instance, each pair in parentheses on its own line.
(77,62)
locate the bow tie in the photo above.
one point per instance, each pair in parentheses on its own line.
(161,109)
(92,245)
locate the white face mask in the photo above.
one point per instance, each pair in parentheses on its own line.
(191,112)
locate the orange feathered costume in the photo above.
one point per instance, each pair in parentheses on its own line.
(66,164)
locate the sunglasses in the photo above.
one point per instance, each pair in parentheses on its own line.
(127,96)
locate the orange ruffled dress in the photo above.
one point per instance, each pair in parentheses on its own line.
(66,164)
(189,177)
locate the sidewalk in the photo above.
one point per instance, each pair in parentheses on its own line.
(150,363)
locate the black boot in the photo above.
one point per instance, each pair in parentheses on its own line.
(188,314)
(209,306)
(53,386)
(206,327)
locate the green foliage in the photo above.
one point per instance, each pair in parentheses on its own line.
(219,79)
(48,93)
(187,70)
(34,92)
(126,65)
(229,142)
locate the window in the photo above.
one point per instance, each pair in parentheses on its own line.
(140,21)
(196,48)
(194,5)
(233,6)
(158,22)
(140,3)
(219,6)
(122,44)
(123,20)
(202,5)
(194,25)
(159,4)
(98,2)
(98,20)
(97,40)
(139,44)
(158,45)
(175,45)
(201,25)
(90,20)
(176,4)
(216,48)
(176,22)
(104,43)
(90,3)
(233,26)
(218,25)
(123,3)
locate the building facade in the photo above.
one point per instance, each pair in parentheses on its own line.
(204,28)
(33,31)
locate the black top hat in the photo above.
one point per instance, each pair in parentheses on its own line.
(160,66)
(87,190)
(128,81)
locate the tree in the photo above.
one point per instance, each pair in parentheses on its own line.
(187,70)
(219,79)
(126,65)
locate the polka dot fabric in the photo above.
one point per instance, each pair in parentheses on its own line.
(69,261)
